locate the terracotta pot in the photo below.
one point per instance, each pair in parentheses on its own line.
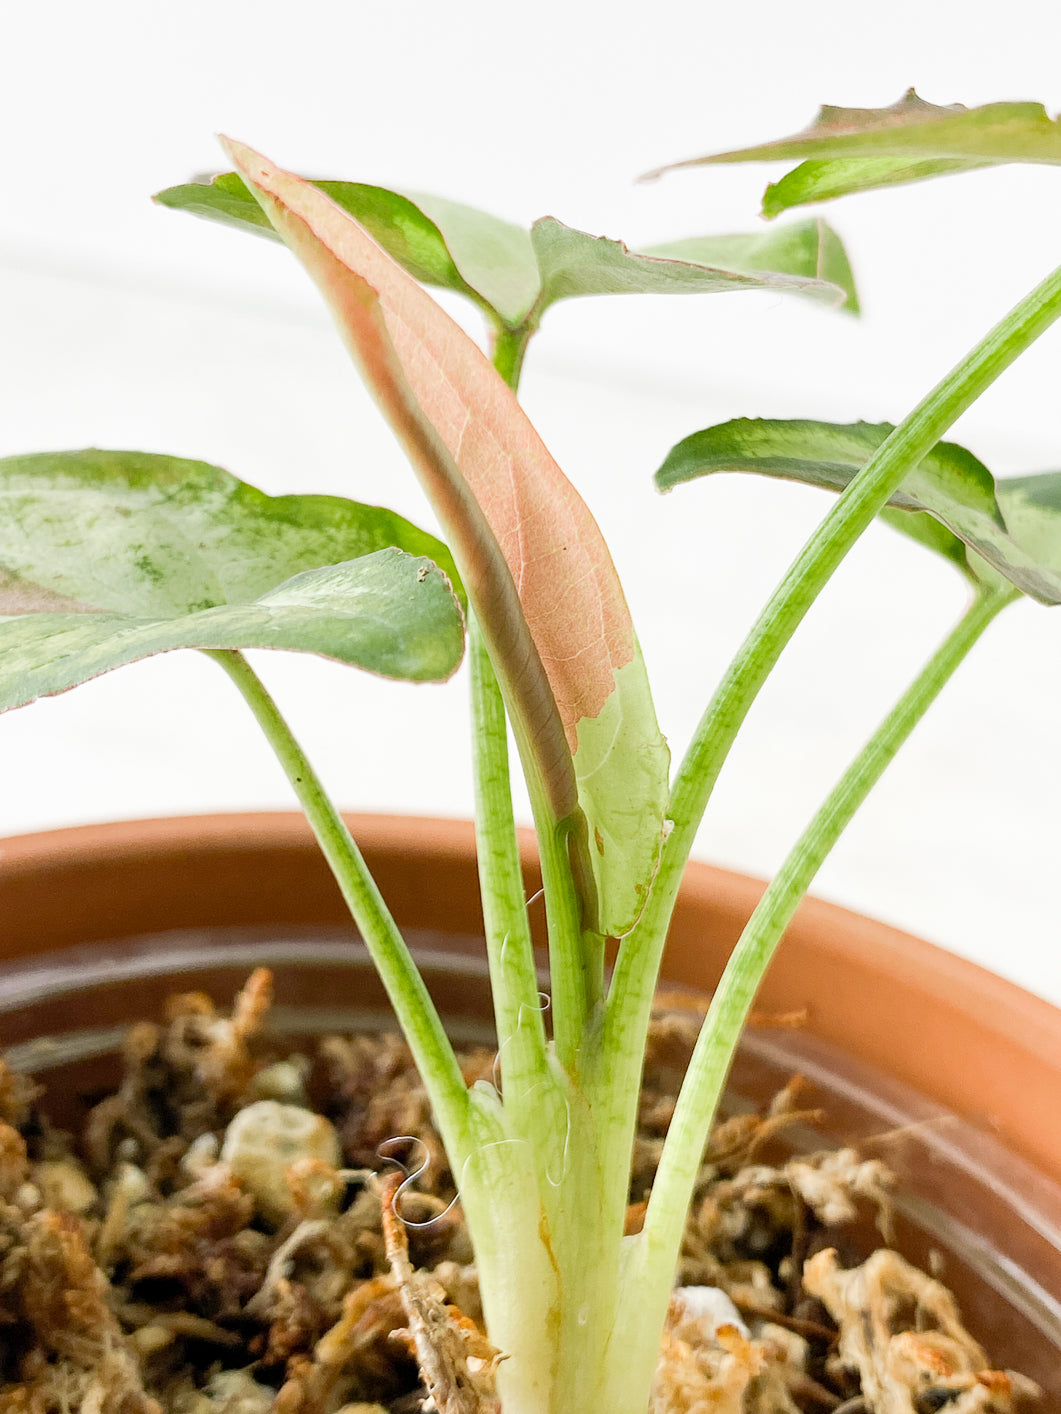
(952,1073)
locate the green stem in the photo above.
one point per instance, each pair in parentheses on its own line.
(672,1190)
(630,998)
(569,972)
(509,346)
(513,979)
(405,987)
(531,1250)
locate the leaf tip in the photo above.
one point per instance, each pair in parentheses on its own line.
(255,168)
(237,151)
(772,205)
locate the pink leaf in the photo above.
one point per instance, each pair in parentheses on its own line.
(494,486)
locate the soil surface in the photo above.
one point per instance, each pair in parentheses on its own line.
(228,1233)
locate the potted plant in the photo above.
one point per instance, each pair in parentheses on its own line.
(168,554)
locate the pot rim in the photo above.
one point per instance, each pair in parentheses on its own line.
(933,1017)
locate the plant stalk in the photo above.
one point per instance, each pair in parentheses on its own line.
(508,348)
(513,978)
(498,1169)
(408,995)
(580,1206)
(653,1254)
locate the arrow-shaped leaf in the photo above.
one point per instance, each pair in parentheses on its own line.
(439,242)
(532,558)
(857,149)
(573,263)
(108,557)
(949,502)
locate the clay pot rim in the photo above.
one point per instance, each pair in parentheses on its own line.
(917,990)
(1001,1005)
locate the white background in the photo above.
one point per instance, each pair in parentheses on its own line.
(123,325)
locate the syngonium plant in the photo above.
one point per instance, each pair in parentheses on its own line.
(107,557)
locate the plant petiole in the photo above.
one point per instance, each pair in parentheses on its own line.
(405,987)
(653,1254)
(513,979)
(508,349)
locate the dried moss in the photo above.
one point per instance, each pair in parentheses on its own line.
(142,1273)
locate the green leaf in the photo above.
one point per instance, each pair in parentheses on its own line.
(441,243)
(1032,508)
(821,181)
(532,558)
(857,149)
(222,198)
(390,613)
(810,249)
(949,502)
(107,557)
(495,257)
(573,263)
(139,534)
(934,535)
(949,474)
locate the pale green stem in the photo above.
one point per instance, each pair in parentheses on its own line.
(634,980)
(508,350)
(513,978)
(548,1307)
(576,955)
(654,1253)
(405,987)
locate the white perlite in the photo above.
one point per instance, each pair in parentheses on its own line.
(710,1304)
(262,1143)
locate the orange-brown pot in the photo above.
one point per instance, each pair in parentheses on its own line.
(955,1074)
